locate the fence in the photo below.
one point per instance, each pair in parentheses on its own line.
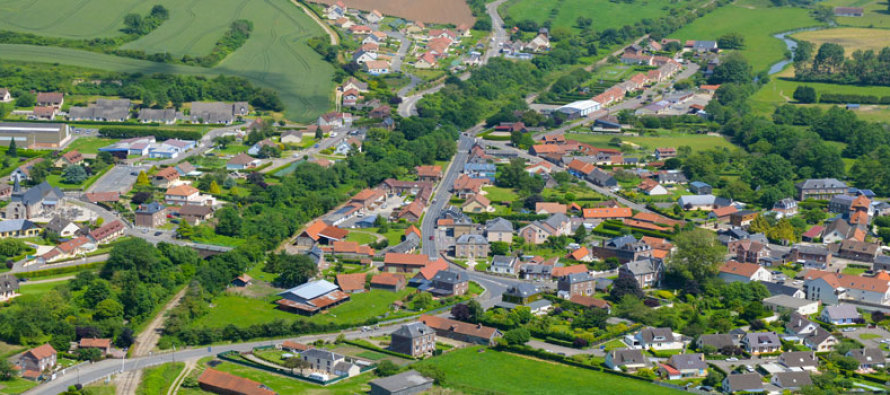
(235,357)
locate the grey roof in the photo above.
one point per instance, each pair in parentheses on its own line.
(556,220)
(762,338)
(672,177)
(15,225)
(776,289)
(102,109)
(8,283)
(799,359)
(841,311)
(499,225)
(150,208)
(343,366)
(529,268)
(575,278)
(697,200)
(785,203)
(650,334)
(215,112)
(797,323)
(37,193)
(811,249)
(324,355)
(402,381)
(449,277)
(315,253)
(628,356)
(842,199)
(471,239)
(621,241)
(523,290)
(744,382)
(819,183)
(698,184)
(643,266)
(818,336)
(159,115)
(57,224)
(882,259)
(794,379)
(788,301)
(718,340)
(312,289)
(867,356)
(502,260)
(539,304)
(414,329)
(688,361)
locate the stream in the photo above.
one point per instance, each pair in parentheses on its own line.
(791,45)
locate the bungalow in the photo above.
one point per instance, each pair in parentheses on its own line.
(377,67)
(799,360)
(550,208)
(629,359)
(722,214)
(103,345)
(869,358)
(757,343)
(650,338)
(842,314)
(781,303)
(652,188)
(744,382)
(791,381)
(700,188)
(689,365)
(242,161)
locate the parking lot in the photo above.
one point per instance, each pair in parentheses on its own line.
(119,179)
(869,337)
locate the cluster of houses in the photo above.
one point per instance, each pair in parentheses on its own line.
(150,147)
(526,50)
(41,362)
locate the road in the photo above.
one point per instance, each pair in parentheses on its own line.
(499,35)
(324,144)
(119,179)
(404,44)
(335,39)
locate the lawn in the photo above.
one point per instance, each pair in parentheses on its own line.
(757,25)
(869,336)
(614,345)
(244,311)
(605,14)
(276,55)
(371,355)
(37,289)
(853,271)
(89,145)
(470,371)
(852,39)
(285,385)
(698,142)
(779,90)
(158,379)
(361,237)
(16,386)
(498,194)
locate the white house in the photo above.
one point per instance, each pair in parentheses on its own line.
(831,288)
(650,338)
(733,271)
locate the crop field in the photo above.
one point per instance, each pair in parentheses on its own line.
(605,14)
(875,13)
(851,38)
(453,12)
(757,25)
(275,56)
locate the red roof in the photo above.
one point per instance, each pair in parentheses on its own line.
(41,352)
(432,268)
(814,232)
(740,268)
(580,253)
(289,345)
(94,343)
(231,383)
(412,229)
(182,190)
(101,197)
(104,231)
(619,212)
(644,225)
(724,211)
(447,325)
(574,269)
(587,301)
(393,258)
(351,282)
(429,171)
(168,173)
(390,279)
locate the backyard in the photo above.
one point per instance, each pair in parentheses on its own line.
(285,385)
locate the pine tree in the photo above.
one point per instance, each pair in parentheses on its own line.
(12,151)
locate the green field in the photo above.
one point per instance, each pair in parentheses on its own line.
(37,289)
(779,91)
(275,56)
(875,13)
(89,145)
(698,142)
(756,24)
(16,386)
(157,380)
(471,372)
(498,194)
(361,238)
(605,14)
(285,385)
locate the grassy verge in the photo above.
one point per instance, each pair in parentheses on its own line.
(157,380)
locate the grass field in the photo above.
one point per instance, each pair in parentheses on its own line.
(89,145)
(285,385)
(361,238)
(498,194)
(780,89)
(469,371)
(698,142)
(875,13)
(852,39)
(16,386)
(157,380)
(37,289)
(605,14)
(275,56)
(756,24)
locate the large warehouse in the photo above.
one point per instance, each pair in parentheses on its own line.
(34,135)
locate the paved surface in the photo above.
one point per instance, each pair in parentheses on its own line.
(856,334)
(277,163)
(119,179)
(404,44)
(499,35)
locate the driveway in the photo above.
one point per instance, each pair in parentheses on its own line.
(873,336)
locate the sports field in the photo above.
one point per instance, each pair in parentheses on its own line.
(275,56)
(757,24)
(469,371)
(604,13)
(851,38)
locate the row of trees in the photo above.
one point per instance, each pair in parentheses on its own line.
(830,64)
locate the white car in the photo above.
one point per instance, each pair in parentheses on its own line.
(733,359)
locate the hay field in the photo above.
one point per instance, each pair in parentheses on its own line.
(851,38)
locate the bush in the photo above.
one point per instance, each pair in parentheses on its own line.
(160,134)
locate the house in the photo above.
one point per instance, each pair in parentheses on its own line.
(499,230)
(704,46)
(702,202)
(820,189)
(319,232)
(335,119)
(869,358)
(733,271)
(722,214)
(108,232)
(351,250)
(414,339)
(798,325)
(165,116)
(647,272)
(33,202)
(426,61)
(652,188)
(748,251)
(103,345)
(54,99)
(820,340)
(839,230)
(477,203)
(700,188)
(550,208)
(743,382)
(799,360)
(857,250)
(217,112)
(581,254)
(429,173)
(842,314)
(629,359)
(579,109)
(329,362)
(781,303)
(588,302)
(689,365)
(791,381)
(405,383)
(215,381)
(855,12)
(582,284)
(165,177)
(377,67)
(182,194)
(461,331)
(650,338)
(484,171)
(9,286)
(449,283)
(388,281)
(352,282)
(104,110)
(806,253)
(758,343)
(38,359)
(625,248)
(718,341)
(195,214)
(787,207)
(504,265)
(242,281)
(665,153)
(607,213)
(151,215)
(412,212)
(742,218)
(537,232)
(671,178)
(18,228)
(72,157)
(5,97)
(312,297)
(242,161)
(404,263)
(521,293)
(776,289)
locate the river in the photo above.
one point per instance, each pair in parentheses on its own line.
(791,45)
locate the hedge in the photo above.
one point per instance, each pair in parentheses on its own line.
(59,270)
(160,134)
(369,346)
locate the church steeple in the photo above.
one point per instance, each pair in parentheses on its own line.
(16,187)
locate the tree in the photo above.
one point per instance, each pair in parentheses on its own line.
(319,134)
(6,370)
(386,368)
(625,286)
(294,269)
(98,291)
(500,248)
(714,378)
(88,354)
(142,179)
(476,311)
(517,336)
(74,174)
(12,151)
(734,69)
(461,312)
(185,230)
(699,254)
(108,308)
(805,94)
(214,188)
(592,317)
(125,339)
(731,41)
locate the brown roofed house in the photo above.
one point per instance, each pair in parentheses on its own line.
(352,282)
(215,381)
(388,281)
(461,331)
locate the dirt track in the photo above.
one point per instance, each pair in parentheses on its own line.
(455,12)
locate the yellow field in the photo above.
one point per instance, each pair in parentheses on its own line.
(851,38)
